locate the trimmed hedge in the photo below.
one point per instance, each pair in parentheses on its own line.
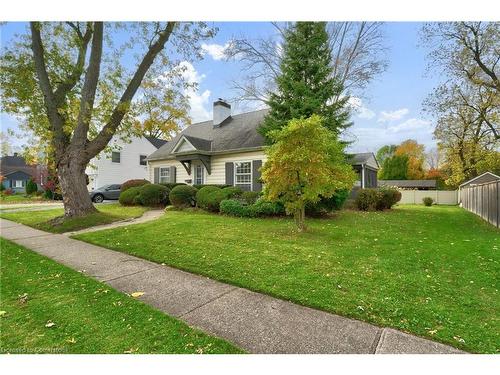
(171,185)
(210,197)
(220,186)
(234,207)
(183,196)
(127,197)
(152,195)
(388,198)
(133,183)
(377,199)
(250,197)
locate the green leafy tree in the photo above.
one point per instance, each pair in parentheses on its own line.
(306,85)
(395,168)
(385,152)
(305,162)
(67,81)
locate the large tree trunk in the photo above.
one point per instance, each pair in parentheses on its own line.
(73,182)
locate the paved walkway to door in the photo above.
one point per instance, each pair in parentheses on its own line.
(255,322)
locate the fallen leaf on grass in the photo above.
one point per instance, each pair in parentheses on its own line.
(137,294)
(50,324)
(23,298)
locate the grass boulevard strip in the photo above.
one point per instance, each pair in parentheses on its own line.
(49,308)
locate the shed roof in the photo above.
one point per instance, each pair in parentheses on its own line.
(482,178)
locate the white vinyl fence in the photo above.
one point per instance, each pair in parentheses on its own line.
(439,196)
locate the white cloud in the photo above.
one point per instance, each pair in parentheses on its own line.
(216,51)
(360,109)
(197,101)
(398,114)
(371,138)
(412,125)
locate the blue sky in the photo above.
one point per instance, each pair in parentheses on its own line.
(390,113)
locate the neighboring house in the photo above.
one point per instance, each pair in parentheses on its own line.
(410,184)
(226,150)
(16,173)
(481,179)
(366,166)
(126,161)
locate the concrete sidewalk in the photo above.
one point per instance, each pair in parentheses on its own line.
(253,321)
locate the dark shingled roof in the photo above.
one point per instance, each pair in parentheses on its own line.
(359,158)
(238,132)
(11,164)
(234,133)
(157,142)
(409,183)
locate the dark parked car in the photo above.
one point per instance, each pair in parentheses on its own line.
(105,192)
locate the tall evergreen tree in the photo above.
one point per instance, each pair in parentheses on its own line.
(306,85)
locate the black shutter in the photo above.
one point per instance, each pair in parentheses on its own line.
(156,175)
(172,174)
(230,173)
(256,184)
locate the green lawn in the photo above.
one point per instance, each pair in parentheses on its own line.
(47,307)
(432,271)
(108,213)
(21,198)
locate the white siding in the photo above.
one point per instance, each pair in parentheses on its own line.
(103,171)
(218,165)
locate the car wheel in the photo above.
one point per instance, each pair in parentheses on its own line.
(98,198)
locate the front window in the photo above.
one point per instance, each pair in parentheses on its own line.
(243,175)
(142,159)
(115,157)
(18,183)
(164,175)
(198,174)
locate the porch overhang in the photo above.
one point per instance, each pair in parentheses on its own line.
(186,161)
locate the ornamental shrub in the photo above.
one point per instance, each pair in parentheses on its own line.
(31,187)
(388,198)
(210,197)
(183,196)
(220,186)
(367,199)
(151,195)
(327,205)
(133,183)
(428,201)
(234,207)
(266,208)
(250,197)
(128,197)
(205,198)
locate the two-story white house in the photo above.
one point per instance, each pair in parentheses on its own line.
(126,161)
